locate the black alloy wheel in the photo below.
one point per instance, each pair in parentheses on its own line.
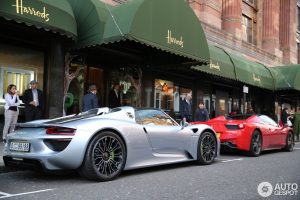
(207,148)
(105,157)
(290,143)
(256,144)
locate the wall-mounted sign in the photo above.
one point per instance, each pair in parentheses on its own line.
(173,40)
(28,10)
(245,89)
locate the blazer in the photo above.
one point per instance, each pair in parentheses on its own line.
(89,102)
(113,99)
(28,97)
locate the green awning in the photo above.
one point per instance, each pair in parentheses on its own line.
(252,73)
(52,15)
(91,16)
(287,77)
(220,64)
(168,25)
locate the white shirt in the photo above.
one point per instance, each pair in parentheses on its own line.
(35,96)
(11,101)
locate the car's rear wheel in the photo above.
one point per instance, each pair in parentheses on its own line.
(256,144)
(105,157)
(207,148)
(290,143)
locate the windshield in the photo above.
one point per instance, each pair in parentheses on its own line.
(238,117)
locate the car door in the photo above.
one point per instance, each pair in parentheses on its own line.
(163,133)
(275,136)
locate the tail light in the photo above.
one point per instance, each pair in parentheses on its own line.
(60,131)
(235,126)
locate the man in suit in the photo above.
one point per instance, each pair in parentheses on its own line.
(186,108)
(114,96)
(90,100)
(33,99)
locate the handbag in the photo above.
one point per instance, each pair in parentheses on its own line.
(289,123)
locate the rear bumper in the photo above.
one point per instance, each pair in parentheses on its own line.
(235,140)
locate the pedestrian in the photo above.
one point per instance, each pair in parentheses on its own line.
(284,117)
(114,96)
(33,99)
(11,112)
(186,108)
(90,100)
(201,114)
(296,124)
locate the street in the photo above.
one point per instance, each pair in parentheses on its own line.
(232,176)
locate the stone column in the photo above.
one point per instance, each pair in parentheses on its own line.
(288,25)
(232,17)
(55,79)
(270,27)
(208,11)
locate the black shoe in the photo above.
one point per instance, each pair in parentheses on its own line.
(4,140)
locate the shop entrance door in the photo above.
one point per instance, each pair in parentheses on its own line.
(221,103)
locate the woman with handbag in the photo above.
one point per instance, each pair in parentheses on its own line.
(11,112)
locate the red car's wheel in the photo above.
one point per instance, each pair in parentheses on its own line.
(256,144)
(289,142)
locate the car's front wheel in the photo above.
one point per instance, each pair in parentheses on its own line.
(290,143)
(105,157)
(207,148)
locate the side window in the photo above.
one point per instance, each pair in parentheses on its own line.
(153,117)
(268,120)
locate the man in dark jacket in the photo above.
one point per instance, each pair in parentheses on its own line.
(33,99)
(114,96)
(201,114)
(186,108)
(284,116)
(90,100)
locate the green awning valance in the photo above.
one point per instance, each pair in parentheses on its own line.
(54,15)
(220,64)
(91,16)
(287,77)
(168,25)
(252,73)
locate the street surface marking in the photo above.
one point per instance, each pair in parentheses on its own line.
(296,148)
(230,160)
(6,195)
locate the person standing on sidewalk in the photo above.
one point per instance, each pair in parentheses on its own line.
(90,100)
(296,124)
(201,114)
(33,99)
(11,112)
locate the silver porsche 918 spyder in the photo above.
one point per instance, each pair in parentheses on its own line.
(102,142)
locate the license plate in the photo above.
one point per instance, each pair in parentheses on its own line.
(20,146)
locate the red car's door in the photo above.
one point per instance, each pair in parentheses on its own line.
(274,132)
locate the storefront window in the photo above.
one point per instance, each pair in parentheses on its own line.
(18,66)
(169,95)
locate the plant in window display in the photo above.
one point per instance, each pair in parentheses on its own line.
(73,66)
(134,75)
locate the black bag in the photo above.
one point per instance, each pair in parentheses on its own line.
(13,108)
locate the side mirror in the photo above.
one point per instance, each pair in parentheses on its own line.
(183,124)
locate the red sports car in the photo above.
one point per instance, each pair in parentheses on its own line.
(252,133)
